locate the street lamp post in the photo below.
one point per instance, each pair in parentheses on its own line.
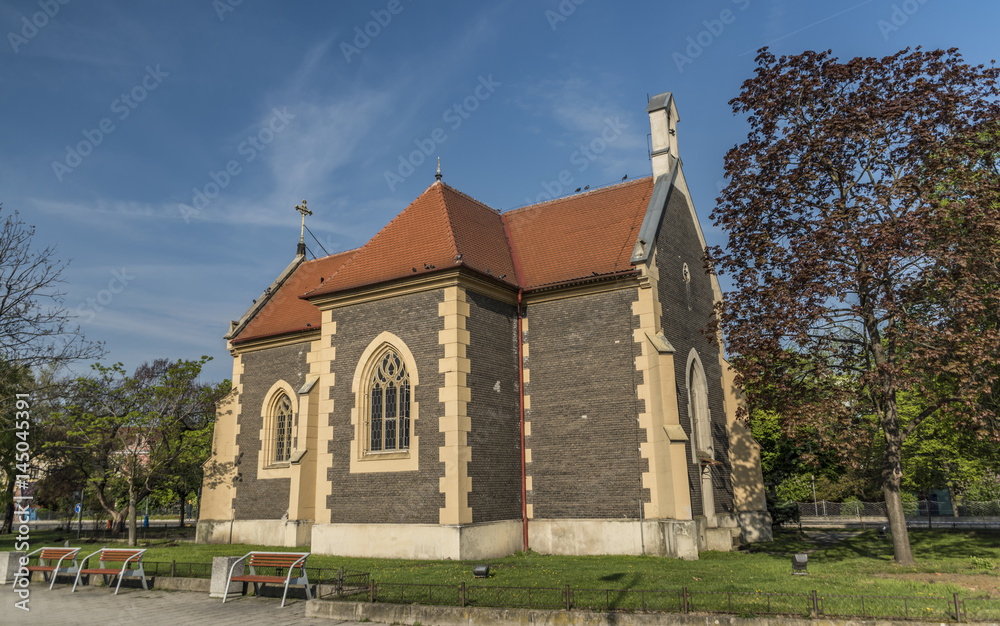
(79,523)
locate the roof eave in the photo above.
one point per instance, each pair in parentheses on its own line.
(298,331)
(402,279)
(237,327)
(584,280)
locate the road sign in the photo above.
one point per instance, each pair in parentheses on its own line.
(76,509)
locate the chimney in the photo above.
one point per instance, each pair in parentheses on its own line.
(663,129)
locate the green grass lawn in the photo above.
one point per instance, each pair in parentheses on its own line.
(858,565)
(948,562)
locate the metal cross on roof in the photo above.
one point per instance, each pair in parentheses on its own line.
(304,211)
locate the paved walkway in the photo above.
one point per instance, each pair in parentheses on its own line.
(98,605)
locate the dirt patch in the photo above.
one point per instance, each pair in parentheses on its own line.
(977,584)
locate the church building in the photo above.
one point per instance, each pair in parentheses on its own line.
(471,383)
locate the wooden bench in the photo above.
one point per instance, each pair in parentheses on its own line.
(125,556)
(46,556)
(289,560)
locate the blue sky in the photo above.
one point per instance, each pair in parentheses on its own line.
(162,146)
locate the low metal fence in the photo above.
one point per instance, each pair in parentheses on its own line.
(921,508)
(684,600)
(342,583)
(173,568)
(356,585)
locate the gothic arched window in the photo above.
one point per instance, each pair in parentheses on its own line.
(388,405)
(281,428)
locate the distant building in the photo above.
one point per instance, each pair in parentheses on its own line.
(377,397)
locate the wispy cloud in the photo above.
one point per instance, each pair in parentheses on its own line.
(582,107)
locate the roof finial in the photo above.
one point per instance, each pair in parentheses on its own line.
(438,175)
(302,235)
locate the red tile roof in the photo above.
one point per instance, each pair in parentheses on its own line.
(285,312)
(440,229)
(579,237)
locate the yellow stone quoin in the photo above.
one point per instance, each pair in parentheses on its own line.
(666,478)
(455,396)
(320,358)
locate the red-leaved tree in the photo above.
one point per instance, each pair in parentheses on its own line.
(863,223)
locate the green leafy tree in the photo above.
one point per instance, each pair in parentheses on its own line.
(130,435)
(943,452)
(863,229)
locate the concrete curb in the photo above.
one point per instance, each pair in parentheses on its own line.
(486,616)
(177,583)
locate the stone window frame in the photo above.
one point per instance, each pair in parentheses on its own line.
(702,441)
(363,461)
(393,390)
(268,433)
(699,420)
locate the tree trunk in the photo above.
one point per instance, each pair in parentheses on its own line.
(180,523)
(120,518)
(892,479)
(131,516)
(951,500)
(892,460)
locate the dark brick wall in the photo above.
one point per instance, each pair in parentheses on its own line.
(581,363)
(687,309)
(264,499)
(390,497)
(495,468)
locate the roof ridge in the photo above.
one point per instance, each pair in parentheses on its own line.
(447,218)
(360,249)
(579,195)
(468,197)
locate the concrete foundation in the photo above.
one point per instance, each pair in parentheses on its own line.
(285,533)
(674,538)
(419,541)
